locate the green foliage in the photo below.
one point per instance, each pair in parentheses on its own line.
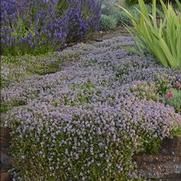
(6,106)
(175,100)
(121,18)
(162,38)
(42,68)
(152,146)
(22,49)
(62,6)
(163,84)
(3,82)
(148,91)
(176,132)
(131,2)
(108,22)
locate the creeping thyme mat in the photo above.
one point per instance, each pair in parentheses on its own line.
(87,120)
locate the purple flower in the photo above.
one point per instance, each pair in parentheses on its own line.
(49,24)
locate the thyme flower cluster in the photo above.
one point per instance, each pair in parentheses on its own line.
(86,121)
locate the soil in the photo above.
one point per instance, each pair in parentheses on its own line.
(166,165)
(101,35)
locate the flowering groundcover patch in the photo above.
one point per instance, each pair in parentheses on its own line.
(86,121)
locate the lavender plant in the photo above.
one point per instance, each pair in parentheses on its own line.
(40,26)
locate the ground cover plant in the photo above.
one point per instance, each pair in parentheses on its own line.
(37,27)
(87,120)
(83,113)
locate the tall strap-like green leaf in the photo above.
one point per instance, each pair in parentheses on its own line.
(143,8)
(154,10)
(178,4)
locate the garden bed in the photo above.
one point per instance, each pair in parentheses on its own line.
(100,85)
(107,108)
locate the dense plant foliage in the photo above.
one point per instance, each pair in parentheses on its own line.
(173,98)
(112,17)
(108,22)
(163,38)
(131,2)
(86,121)
(38,26)
(82,113)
